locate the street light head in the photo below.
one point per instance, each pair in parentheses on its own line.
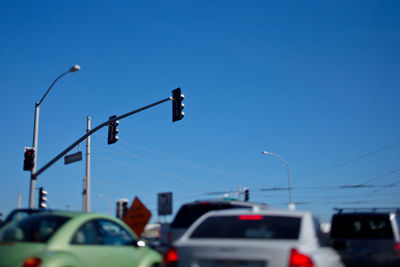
(75,68)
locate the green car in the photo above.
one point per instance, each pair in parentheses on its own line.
(73,239)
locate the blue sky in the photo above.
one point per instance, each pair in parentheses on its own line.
(316,82)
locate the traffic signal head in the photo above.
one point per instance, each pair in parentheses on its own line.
(246,194)
(177,105)
(112,130)
(29,158)
(42,198)
(122,208)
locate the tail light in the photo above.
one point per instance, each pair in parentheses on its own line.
(397,248)
(250,217)
(32,262)
(298,259)
(171,257)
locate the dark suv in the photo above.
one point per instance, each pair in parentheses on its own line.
(19,214)
(190,212)
(367,237)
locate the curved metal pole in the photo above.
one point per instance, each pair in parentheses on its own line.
(36,134)
(72,69)
(288,169)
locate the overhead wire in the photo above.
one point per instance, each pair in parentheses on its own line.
(343,163)
(177,161)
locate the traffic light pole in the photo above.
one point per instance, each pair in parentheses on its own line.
(35,175)
(33,171)
(35,135)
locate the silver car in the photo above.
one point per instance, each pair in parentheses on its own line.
(252,237)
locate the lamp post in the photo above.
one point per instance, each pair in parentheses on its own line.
(35,135)
(291,204)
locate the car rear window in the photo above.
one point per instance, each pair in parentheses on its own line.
(35,228)
(249,227)
(373,226)
(191,212)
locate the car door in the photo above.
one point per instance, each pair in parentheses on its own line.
(119,245)
(104,243)
(87,245)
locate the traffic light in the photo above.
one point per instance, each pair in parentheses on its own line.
(177,105)
(29,158)
(246,194)
(42,198)
(122,208)
(112,130)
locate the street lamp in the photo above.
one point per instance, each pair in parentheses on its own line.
(291,204)
(35,135)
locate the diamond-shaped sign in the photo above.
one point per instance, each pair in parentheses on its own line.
(137,216)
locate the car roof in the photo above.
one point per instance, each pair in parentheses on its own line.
(71,214)
(277,212)
(221,201)
(366,211)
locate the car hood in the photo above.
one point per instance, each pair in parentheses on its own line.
(14,253)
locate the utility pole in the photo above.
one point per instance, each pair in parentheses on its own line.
(86,189)
(19,201)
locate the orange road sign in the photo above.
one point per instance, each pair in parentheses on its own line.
(137,216)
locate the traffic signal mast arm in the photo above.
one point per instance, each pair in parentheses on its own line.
(106,123)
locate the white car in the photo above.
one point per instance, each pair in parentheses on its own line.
(252,237)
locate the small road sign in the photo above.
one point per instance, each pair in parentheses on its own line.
(165,203)
(73,157)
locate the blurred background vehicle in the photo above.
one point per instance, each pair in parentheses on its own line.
(190,212)
(252,237)
(73,239)
(367,237)
(18,214)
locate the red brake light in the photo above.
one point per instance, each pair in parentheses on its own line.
(32,262)
(298,259)
(397,248)
(170,257)
(250,217)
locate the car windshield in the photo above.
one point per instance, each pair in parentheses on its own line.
(33,228)
(191,212)
(249,227)
(361,226)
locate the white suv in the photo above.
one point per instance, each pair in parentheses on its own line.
(252,237)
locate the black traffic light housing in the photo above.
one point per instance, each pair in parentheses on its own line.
(42,198)
(177,105)
(246,194)
(112,130)
(29,158)
(122,208)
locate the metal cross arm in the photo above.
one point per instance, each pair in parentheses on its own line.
(55,159)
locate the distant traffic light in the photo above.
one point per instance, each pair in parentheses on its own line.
(29,158)
(246,194)
(112,130)
(42,198)
(177,105)
(122,208)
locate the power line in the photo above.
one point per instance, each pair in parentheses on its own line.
(347,161)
